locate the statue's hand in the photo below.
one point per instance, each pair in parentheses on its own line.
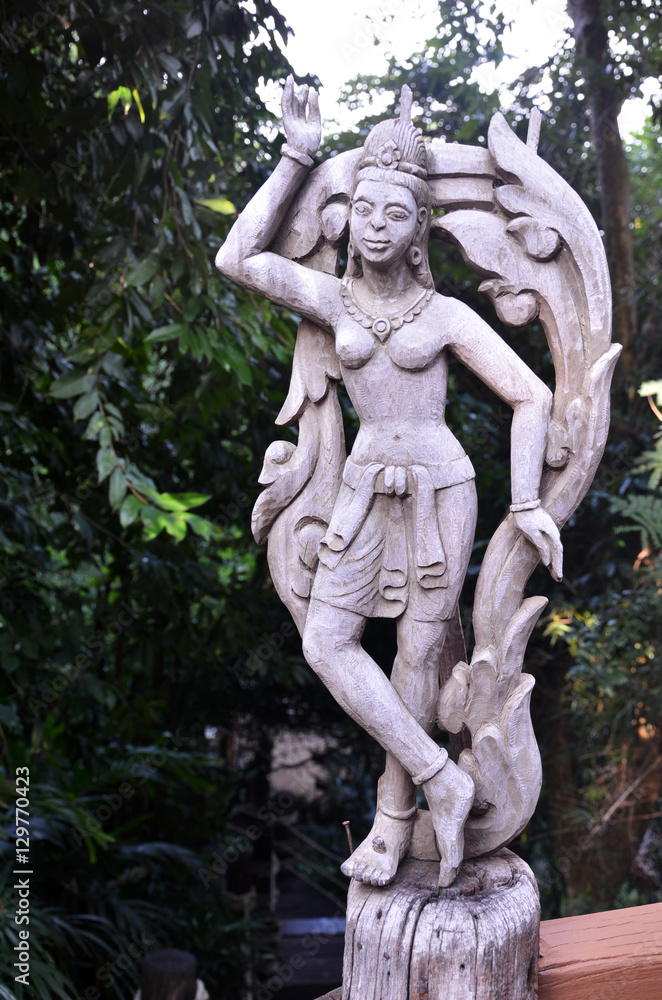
(302,130)
(538,526)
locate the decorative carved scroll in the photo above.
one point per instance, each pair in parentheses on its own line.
(303,480)
(545,255)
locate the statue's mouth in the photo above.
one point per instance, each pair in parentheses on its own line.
(376,244)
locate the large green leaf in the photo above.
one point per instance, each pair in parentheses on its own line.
(181,501)
(144,270)
(221,205)
(169,332)
(117,488)
(72,384)
(106,462)
(85,405)
(652,388)
(129,510)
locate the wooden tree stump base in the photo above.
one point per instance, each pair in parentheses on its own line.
(477,940)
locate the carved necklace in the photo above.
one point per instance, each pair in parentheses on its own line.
(381,326)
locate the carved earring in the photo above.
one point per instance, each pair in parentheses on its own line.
(414,256)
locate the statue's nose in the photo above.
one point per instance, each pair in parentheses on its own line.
(378,221)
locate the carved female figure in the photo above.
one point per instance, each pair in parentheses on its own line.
(400,536)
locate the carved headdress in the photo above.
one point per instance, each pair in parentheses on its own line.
(395,145)
(395,153)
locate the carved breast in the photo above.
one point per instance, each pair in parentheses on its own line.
(414,346)
(354,344)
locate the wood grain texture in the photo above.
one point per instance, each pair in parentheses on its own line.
(598,956)
(477,940)
(603,956)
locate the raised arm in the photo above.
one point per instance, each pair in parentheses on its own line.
(244,256)
(483,351)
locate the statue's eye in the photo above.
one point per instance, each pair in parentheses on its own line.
(397,215)
(362,208)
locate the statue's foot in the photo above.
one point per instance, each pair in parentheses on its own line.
(375,861)
(450,794)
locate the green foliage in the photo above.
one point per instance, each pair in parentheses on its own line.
(652,459)
(646,513)
(469,35)
(634,47)
(119,203)
(614,683)
(645,158)
(131,376)
(563,88)
(652,388)
(645,510)
(610,646)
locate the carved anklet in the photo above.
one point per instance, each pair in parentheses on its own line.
(398,813)
(431,769)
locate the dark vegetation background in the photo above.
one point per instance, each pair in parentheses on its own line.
(138,390)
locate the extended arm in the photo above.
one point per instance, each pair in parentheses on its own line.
(484,352)
(244,256)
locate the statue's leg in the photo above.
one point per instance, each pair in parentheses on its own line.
(331,644)
(332,647)
(415,676)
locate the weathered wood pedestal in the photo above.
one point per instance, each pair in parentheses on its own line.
(477,940)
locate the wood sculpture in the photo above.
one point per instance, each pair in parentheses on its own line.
(388,531)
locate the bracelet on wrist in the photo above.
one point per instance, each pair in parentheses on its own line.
(297,155)
(515,508)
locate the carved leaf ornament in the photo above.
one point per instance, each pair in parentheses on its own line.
(517,222)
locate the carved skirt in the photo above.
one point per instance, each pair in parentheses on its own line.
(399,540)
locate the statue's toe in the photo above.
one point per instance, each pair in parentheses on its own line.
(348,867)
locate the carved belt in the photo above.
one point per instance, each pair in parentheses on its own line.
(419,481)
(390,478)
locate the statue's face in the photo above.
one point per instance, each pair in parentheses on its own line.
(383,221)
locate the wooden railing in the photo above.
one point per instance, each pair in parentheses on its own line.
(616,955)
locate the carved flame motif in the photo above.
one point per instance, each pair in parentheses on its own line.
(548,250)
